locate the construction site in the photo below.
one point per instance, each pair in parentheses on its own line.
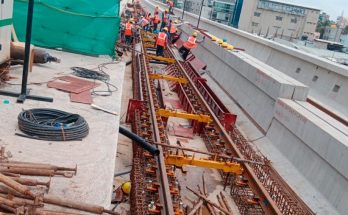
(106,113)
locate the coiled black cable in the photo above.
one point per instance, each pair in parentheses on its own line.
(52,125)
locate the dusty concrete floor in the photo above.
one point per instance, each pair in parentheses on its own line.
(123,161)
(94,155)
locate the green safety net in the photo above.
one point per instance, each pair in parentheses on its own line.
(82,26)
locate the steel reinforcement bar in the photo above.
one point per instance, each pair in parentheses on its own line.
(268,187)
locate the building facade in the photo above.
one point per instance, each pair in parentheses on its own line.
(332,33)
(278,19)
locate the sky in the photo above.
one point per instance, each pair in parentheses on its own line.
(332,7)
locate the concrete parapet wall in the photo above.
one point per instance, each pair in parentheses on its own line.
(318,150)
(254,85)
(295,63)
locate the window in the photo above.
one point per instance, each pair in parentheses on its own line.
(294,20)
(336,88)
(255,24)
(279,18)
(258,14)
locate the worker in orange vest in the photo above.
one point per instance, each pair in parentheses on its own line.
(191,43)
(155,21)
(170,6)
(165,19)
(128,32)
(161,42)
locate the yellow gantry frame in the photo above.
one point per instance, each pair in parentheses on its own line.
(179,161)
(198,117)
(160,58)
(168,78)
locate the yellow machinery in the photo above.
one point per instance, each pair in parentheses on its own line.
(169,78)
(160,58)
(180,160)
(198,117)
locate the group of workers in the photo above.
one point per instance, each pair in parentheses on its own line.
(167,34)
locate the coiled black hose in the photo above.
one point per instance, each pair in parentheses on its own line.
(52,125)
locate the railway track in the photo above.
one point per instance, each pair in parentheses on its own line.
(155,189)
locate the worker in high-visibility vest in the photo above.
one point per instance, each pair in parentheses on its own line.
(165,19)
(191,43)
(128,32)
(144,23)
(172,29)
(161,42)
(170,6)
(155,21)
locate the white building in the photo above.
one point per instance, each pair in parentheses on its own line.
(5,29)
(332,33)
(278,19)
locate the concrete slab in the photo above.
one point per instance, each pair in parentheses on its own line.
(294,177)
(330,143)
(94,155)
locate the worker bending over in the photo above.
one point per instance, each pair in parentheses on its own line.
(144,23)
(161,42)
(191,43)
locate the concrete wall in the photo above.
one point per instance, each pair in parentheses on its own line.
(297,64)
(6,10)
(253,84)
(318,150)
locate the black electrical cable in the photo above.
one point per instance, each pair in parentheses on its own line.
(90,74)
(97,75)
(52,125)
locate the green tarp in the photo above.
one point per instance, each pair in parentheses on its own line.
(82,26)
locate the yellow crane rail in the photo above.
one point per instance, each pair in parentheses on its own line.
(180,160)
(198,117)
(169,78)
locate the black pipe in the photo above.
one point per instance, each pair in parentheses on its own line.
(27,47)
(200,13)
(140,141)
(128,62)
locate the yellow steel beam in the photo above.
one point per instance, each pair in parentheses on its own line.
(179,161)
(149,45)
(149,34)
(160,58)
(169,78)
(151,40)
(198,117)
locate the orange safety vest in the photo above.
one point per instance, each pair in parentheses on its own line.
(190,43)
(161,39)
(172,29)
(165,18)
(155,19)
(128,31)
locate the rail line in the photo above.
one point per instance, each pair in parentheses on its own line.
(155,190)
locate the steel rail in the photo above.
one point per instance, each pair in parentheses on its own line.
(165,194)
(269,205)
